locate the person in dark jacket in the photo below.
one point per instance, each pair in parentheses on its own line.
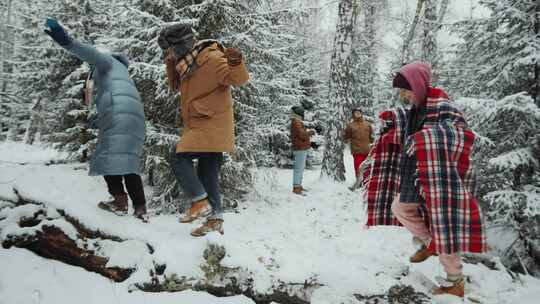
(301,143)
(121,123)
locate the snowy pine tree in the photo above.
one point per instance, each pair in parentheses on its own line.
(500,55)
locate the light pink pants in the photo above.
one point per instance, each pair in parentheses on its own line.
(407,214)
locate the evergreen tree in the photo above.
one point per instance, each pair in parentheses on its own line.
(500,55)
(507,157)
(276,58)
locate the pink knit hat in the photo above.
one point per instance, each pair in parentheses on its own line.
(418,75)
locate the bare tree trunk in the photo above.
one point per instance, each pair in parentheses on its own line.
(429,41)
(8,44)
(536,86)
(365,56)
(340,90)
(35,124)
(442,13)
(405,56)
(4,46)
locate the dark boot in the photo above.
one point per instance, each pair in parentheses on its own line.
(140,213)
(118,206)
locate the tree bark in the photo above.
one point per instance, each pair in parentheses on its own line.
(429,41)
(50,241)
(536,86)
(340,90)
(405,56)
(4,46)
(365,57)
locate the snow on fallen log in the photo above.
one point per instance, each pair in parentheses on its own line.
(52,234)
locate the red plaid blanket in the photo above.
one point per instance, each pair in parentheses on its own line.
(446,177)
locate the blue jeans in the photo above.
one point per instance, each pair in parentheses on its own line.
(300,157)
(203,182)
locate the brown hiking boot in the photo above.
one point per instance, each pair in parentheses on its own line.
(140,213)
(456,288)
(421,255)
(304,189)
(209,226)
(298,190)
(197,210)
(118,206)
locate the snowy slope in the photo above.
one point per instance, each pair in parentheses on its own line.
(275,236)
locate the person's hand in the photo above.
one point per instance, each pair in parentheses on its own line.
(57,32)
(234,57)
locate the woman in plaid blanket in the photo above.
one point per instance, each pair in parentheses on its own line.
(419,175)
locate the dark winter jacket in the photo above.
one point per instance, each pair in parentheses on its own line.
(120,112)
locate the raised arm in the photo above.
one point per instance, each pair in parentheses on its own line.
(84,51)
(231,69)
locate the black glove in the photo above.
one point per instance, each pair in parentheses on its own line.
(57,32)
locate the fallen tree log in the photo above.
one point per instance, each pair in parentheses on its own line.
(52,243)
(55,235)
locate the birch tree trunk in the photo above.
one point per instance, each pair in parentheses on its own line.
(429,41)
(365,57)
(7,33)
(405,52)
(536,87)
(339,96)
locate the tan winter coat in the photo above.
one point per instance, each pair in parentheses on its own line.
(207,104)
(359,133)
(300,136)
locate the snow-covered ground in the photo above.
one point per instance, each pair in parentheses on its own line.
(275,235)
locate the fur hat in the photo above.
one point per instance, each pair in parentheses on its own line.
(298,110)
(178,37)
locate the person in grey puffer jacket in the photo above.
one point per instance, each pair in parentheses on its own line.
(121,123)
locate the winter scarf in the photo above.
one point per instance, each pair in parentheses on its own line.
(293,115)
(188,64)
(445,175)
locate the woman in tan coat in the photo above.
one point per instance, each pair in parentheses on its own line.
(203,72)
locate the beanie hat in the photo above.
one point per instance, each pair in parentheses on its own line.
(400,82)
(298,110)
(179,37)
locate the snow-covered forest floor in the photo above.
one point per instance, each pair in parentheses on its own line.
(315,245)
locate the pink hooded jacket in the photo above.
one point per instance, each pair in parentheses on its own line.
(418,75)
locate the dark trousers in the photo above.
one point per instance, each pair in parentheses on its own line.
(204,181)
(134,187)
